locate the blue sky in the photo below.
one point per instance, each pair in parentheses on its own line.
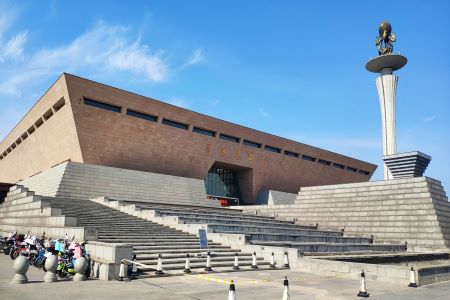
(290,68)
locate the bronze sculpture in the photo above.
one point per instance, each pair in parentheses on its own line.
(385,40)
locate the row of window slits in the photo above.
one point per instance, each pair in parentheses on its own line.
(46,116)
(222,136)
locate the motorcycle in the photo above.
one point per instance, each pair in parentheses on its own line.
(66,264)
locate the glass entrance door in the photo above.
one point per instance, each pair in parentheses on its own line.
(220,182)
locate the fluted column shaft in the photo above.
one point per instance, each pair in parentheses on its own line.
(387,91)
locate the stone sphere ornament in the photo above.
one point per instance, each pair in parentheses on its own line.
(21,265)
(51,264)
(80,268)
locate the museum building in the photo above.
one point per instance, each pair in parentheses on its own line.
(82,122)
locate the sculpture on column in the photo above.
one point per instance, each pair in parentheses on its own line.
(396,165)
(386,39)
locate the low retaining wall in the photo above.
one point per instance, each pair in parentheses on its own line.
(107,258)
(434,274)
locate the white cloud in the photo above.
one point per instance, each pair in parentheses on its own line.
(14,47)
(102,49)
(135,59)
(179,102)
(263,112)
(428,119)
(7,16)
(214,102)
(195,58)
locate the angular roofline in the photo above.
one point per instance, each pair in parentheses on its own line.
(168,104)
(201,114)
(59,77)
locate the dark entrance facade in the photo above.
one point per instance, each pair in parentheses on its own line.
(222,184)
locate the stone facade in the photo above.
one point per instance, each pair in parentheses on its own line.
(271,197)
(415,210)
(51,134)
(83,181)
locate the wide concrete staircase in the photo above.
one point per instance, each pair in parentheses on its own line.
(258,230)
(22,211)
(415,210)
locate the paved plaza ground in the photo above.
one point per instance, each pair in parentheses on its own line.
(249,285)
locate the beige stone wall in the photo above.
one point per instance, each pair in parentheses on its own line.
(83,133)
(54,141)
(115,139)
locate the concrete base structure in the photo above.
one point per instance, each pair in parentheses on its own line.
(83,181)
(407,165)
(271,197)
(415,210)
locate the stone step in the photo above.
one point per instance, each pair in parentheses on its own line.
(367,199)
(18,201)
(364,193)
(182,255)
(373,209)
(25,206)
(223,215)
(121,224)
(192,220)
(43,212)
(16,189)
(150,243)
(306,238)
(137,235)
(244,229)
(168,247)
(22,194)
(380,185)
(155,242)
(156,235)
(57,221)
(304,215)
(145,254)
(159,236)
(329,247)
(150,205)
(357,202)
(118,231)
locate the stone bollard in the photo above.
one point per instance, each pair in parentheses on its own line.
(254,261)
(232,291)
(286,260)
(272,261)
(80,268)
(51,264)
(362,290)
(21,266)
(286,294)
(412,278)
(236,262)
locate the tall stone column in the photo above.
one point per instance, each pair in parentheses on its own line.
(385,64)
(387,91)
